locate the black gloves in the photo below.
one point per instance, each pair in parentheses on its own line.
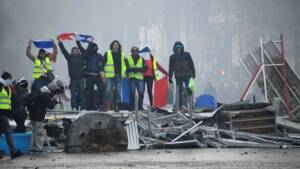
(129,70)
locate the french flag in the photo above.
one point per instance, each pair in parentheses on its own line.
(66,36)
(45,44)
(83,38)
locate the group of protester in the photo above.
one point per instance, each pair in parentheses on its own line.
(95,80)
(95,83)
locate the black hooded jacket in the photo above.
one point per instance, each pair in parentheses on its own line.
(20,101)
(181,64)
(39,103)
(92,57)
(76,63)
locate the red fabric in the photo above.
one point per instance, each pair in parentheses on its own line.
(149,72)
(66,36)
(160,97)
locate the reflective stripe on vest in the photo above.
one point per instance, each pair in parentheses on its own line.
(109,68)
(156,73)
(139,64)
(38,69)
(5,99)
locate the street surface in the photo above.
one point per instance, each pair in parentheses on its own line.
(167,159)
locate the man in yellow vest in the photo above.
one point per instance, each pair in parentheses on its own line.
(5,111)
(136,68)
(42,64)
(113,70)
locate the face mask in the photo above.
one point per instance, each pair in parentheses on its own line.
(8,82)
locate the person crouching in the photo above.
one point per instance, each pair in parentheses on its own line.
(40,102)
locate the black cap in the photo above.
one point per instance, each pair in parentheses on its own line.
(135,49)
(6,75)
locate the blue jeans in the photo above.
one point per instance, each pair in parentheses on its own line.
(77,93)
(179,82)
(113,89)
(136,85)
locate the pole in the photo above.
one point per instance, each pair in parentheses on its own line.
(251,83)
(196,125)
(149,121)
(285,74)
(190,104)
(136,107)
(177,99)
(264,71)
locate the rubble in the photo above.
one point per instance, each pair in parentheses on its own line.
(167,129)
(172,130)
(94,132)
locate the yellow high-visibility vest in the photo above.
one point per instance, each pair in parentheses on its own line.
(109,70)
(38,68)
(156,73)
(139,64)
(5,99)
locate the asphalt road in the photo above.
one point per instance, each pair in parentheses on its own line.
(166,159)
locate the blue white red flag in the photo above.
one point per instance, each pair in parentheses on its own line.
(83,38)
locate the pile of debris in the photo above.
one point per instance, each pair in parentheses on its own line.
(233,125)
(236,125)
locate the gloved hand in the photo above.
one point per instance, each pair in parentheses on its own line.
(135,70)
(130,70)
(170,80)
(139,69)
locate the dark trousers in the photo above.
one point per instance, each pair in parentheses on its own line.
(149,81)
(77,93)
(20,125)
(4,128)
(19,116)
(179,82)
(94,92)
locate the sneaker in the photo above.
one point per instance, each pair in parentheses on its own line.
(16,154)
(142,109)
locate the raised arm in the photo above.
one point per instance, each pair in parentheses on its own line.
(82,50)
(54,54)
(90,45)
(28,51)
(63,49)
